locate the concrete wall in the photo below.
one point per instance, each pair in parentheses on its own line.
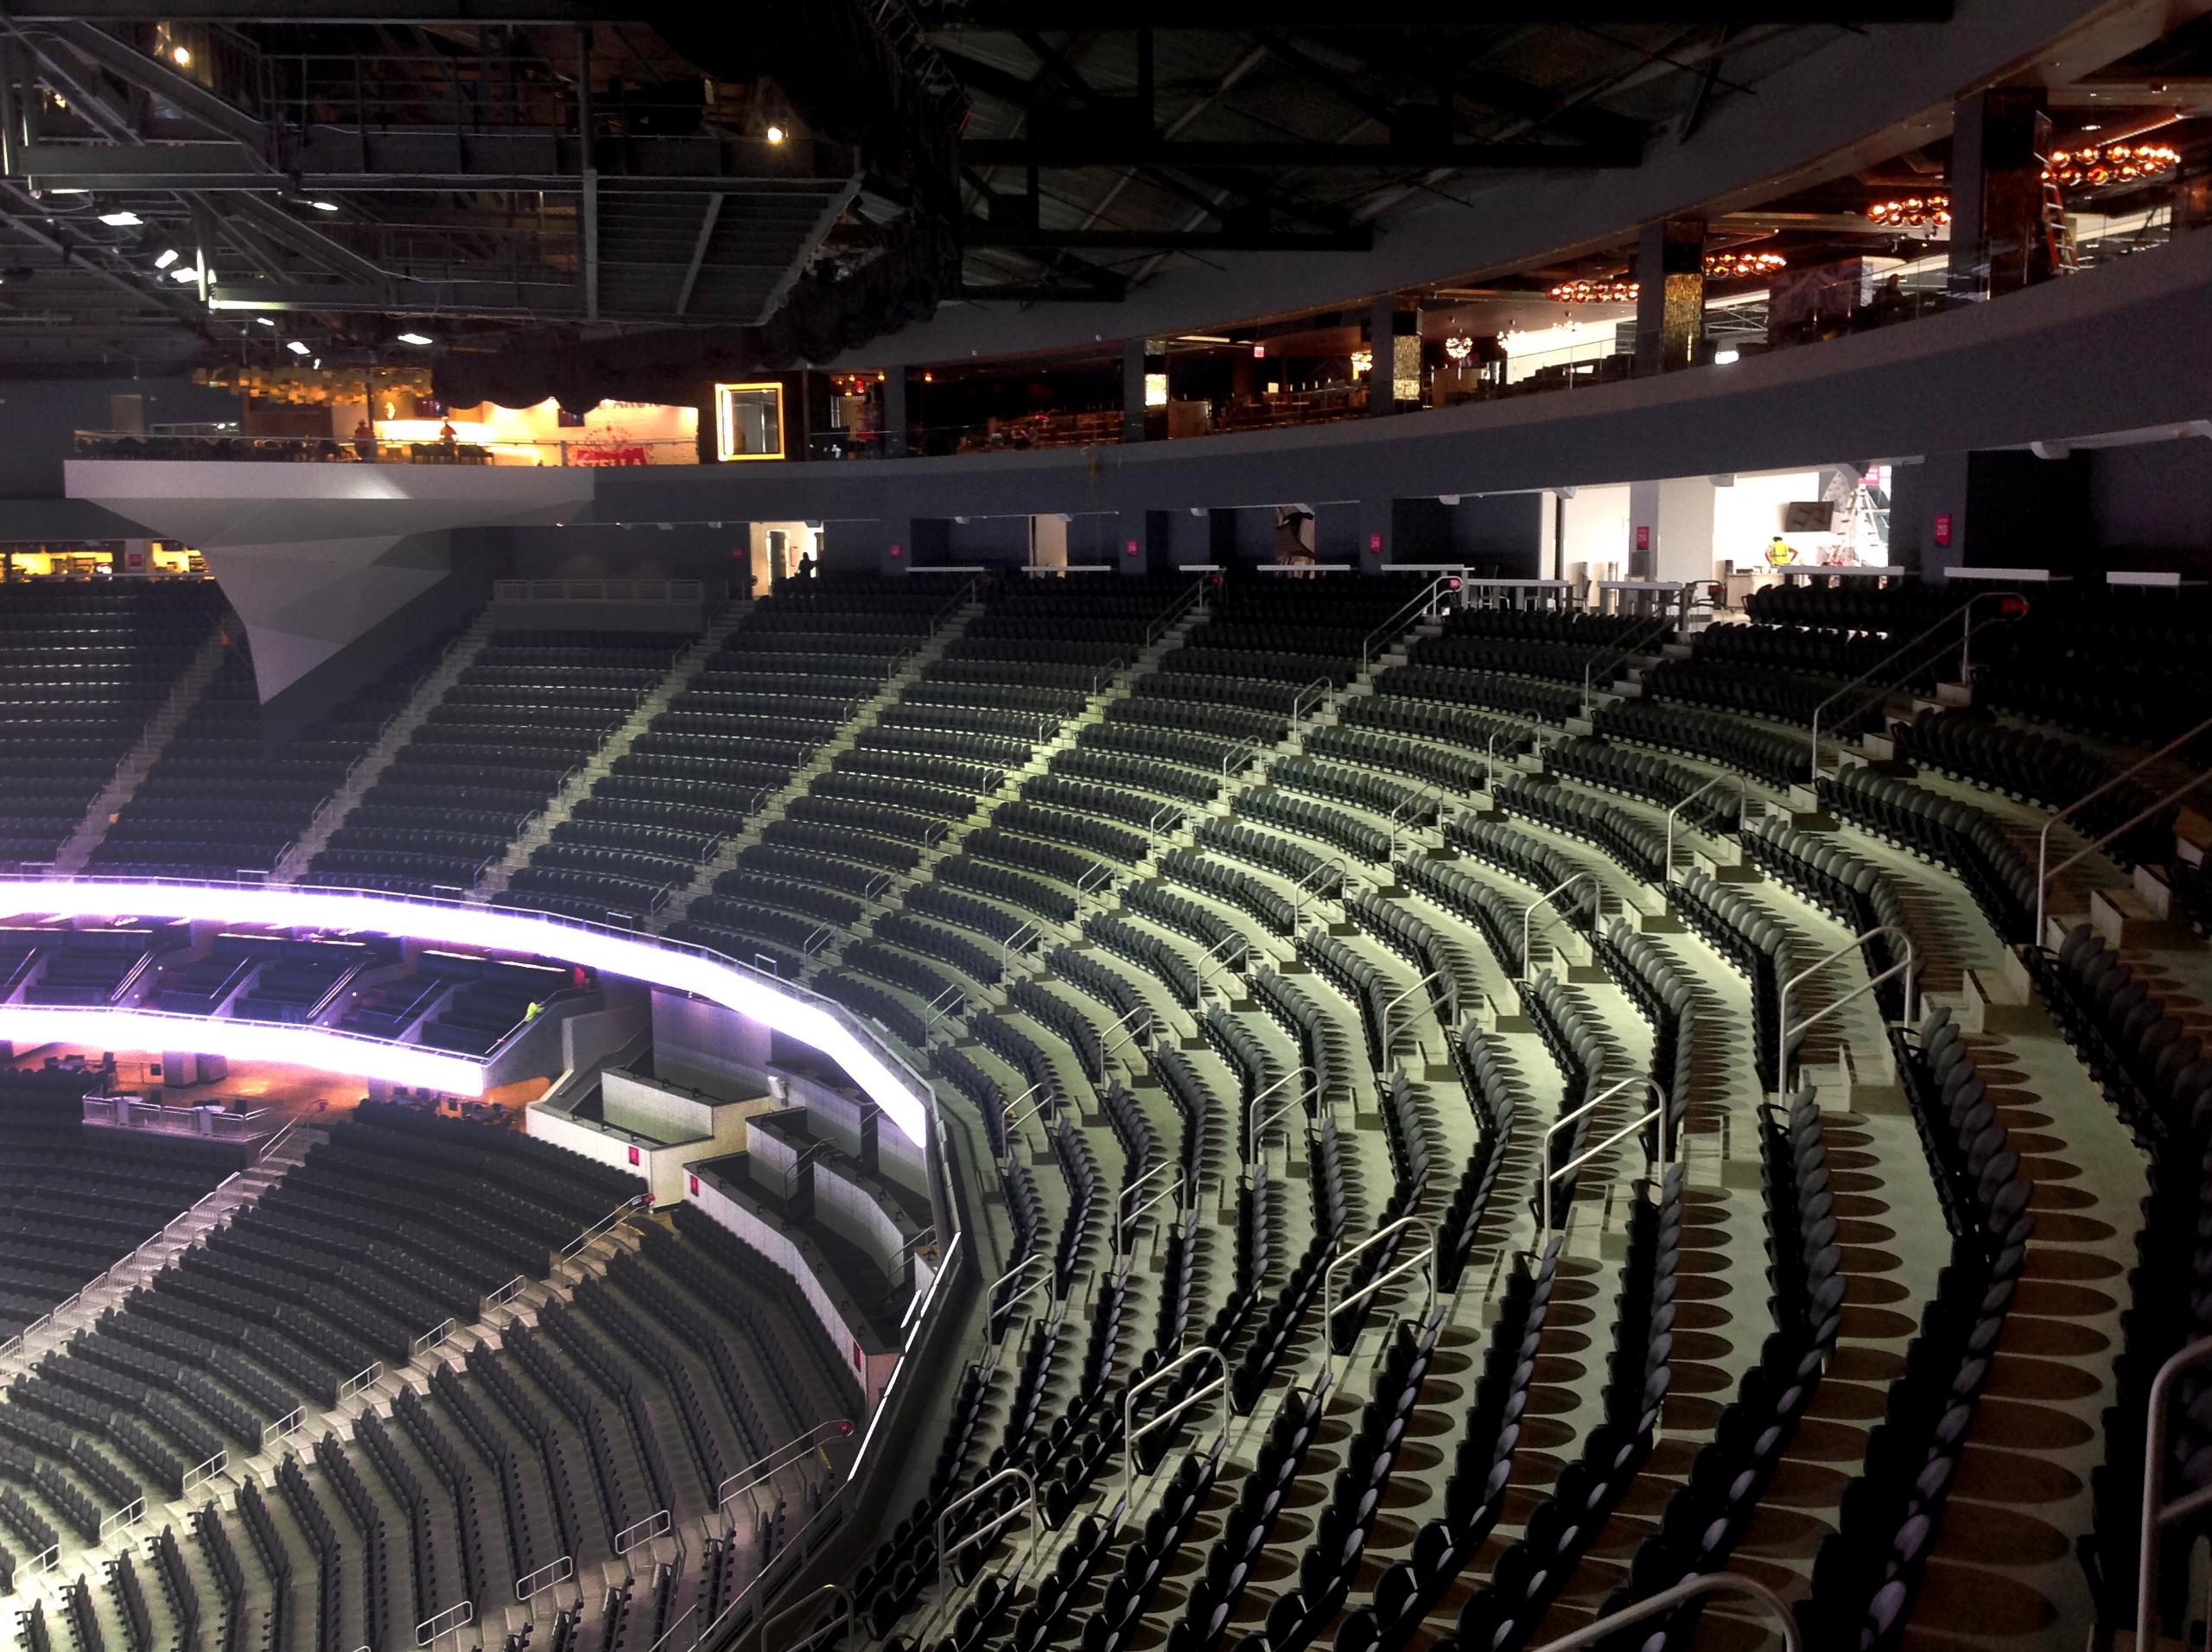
(708,1047)
(871,1365)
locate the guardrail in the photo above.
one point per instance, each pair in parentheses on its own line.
(605,590)
(1655,1160)
(1963,613)
(1131,1433)
(1425,1262)
(2046,874)
(1783,1031)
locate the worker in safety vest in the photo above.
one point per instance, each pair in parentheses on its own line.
(1780,553)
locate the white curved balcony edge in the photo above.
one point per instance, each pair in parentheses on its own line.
(885,1076)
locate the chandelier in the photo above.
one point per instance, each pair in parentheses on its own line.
(1729,266)
(2093,164)
(1362,361)
(1458,346)
(1912,211)
(1596,292)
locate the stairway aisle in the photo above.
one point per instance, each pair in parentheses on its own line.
(692,661)
(819,764)
(76,850)
(373,762)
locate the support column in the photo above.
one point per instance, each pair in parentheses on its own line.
(1998,137)
(1133,389)
(1382,342)
(1670,299)
(895,413)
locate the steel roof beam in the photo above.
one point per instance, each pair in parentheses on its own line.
(1108,148)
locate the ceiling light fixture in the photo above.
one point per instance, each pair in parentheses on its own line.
(181,56)
(1458,346)
(185,272)
(165,258)
(1911,212)
(1596,292)
(1734,266)
(295,347)
(122,220)
(262,321)
(414,338)
(2092,167)
(775,133)
(324,206)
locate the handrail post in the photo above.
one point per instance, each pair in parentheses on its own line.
(1783,1030)
(1028,1505)
(1428,1261)
(2156,1514)
(813,1600)
(1743,804)
(1963,611)
(1131,1433)
(1703,1583)
(1529,913)
(1254,1123)
(2042,839)
(1657,1160)
(1452,997)
(1125,1215)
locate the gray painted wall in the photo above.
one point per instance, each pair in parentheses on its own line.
(42,415)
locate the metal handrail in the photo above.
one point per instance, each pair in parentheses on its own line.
(1236,756)
(1430,1261)
(1425,601)
(1132,1025)
(1004,1311)
(1126,1214)
(1028,1505)
(2044,878)
(813,1598)
(1164,622)
(2157,1513)
(1964,612)
(1529,913)
(1429,792)
(1743,802)
(1258,1121)
(1450,1004)
(1255,1123)
(1655,1160)
(764,1468)
(1012,1118)
(1211,963)
(1298,701)
(1131,1433)
(1705,1583)
(1783,1031)
(1623,649)
(1302,890)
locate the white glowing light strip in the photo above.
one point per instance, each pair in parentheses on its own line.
(638,957)
(301,1046)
